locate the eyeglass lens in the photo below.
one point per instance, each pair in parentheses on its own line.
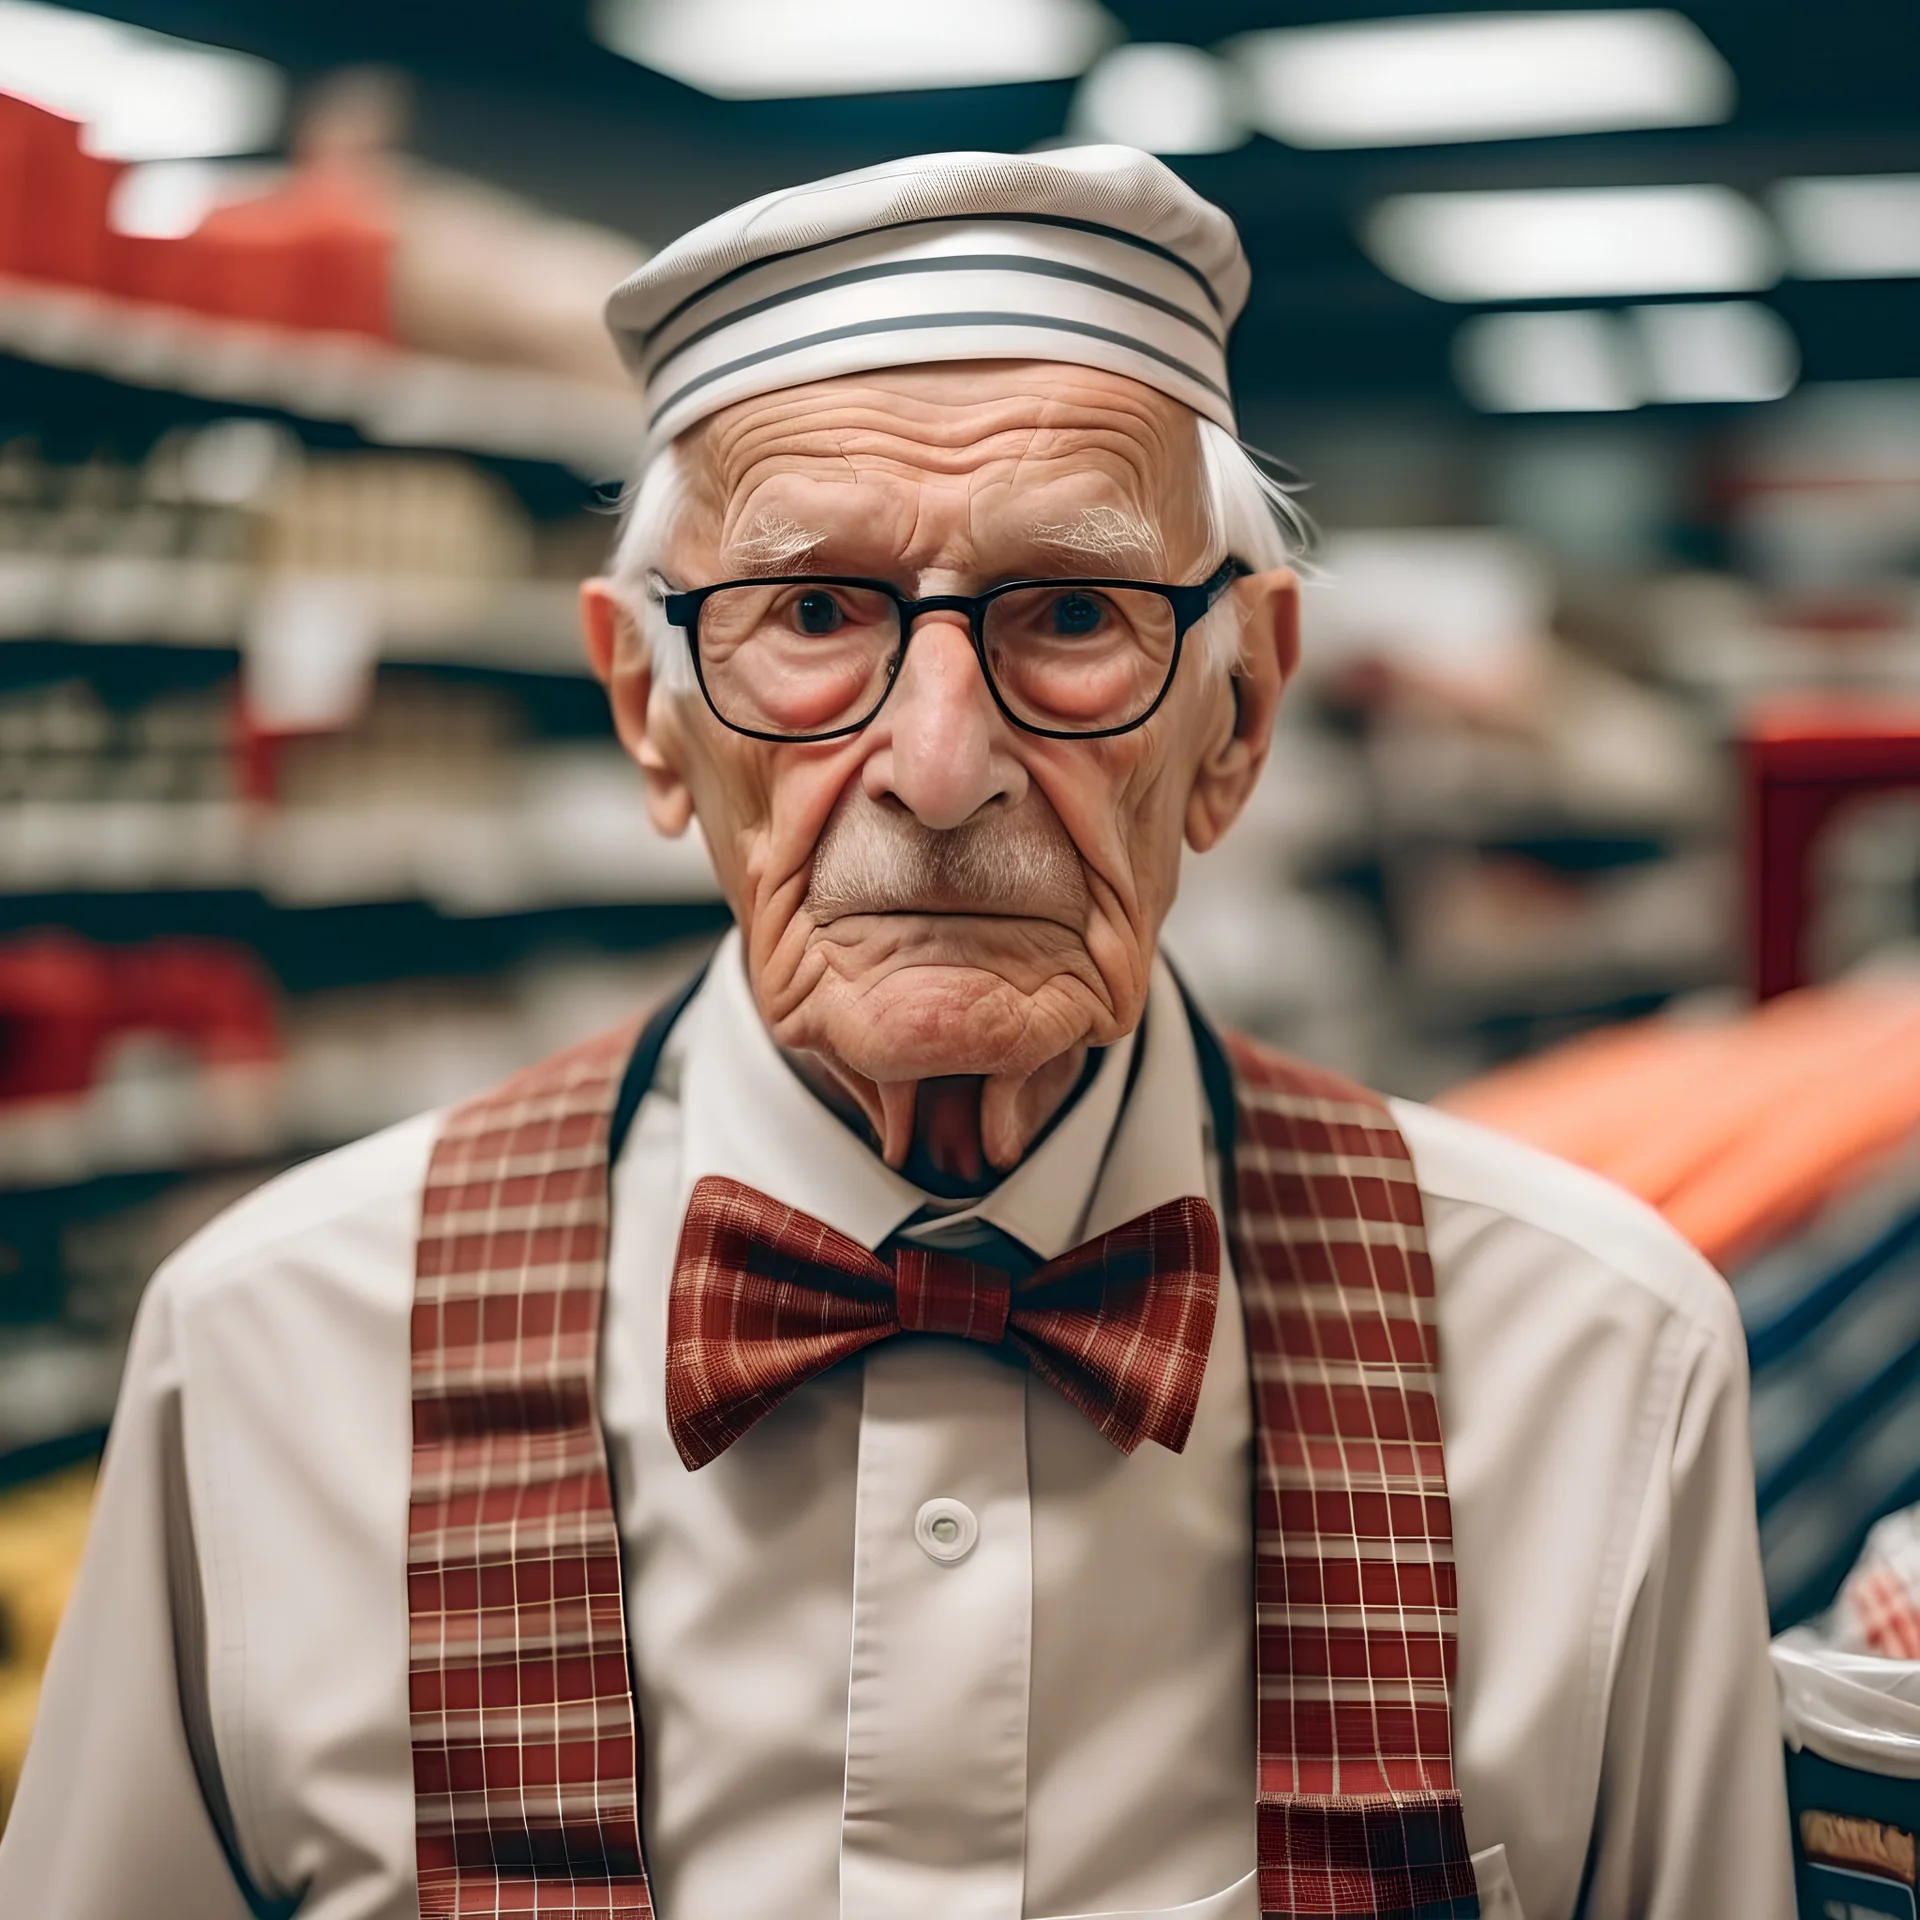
(809,658)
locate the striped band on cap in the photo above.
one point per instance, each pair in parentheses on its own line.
(1099,256)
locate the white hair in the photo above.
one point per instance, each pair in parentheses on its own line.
(1250,515)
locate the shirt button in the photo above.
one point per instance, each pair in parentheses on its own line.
(946,1530)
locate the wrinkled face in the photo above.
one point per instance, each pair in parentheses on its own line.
(942,893)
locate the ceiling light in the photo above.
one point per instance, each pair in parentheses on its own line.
(1390,83)
(139,95)
(1718,351)
(1165,97)
(1545,363)
(1562,243)
(1866,227)
(768,49)
(1594,360)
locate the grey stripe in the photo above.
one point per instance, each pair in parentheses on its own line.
(714,285)
(957,263)
(919,323)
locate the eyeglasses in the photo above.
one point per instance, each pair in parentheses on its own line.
(814,656)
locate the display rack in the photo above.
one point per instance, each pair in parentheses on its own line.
(476,921)
(388,395)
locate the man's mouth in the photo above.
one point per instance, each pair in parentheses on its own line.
(945,907)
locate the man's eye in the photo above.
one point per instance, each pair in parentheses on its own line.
(1075,614)
(817,613)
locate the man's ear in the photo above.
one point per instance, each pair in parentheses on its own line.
(619,656)
(1269,651)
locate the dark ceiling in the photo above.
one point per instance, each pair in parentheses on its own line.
(516,91)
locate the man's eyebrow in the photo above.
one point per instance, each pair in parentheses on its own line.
(771,543)
(1102,536)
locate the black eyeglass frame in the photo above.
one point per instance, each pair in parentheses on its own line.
(1190,606)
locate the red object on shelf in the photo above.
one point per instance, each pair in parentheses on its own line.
(62,999)
(54,195)
(17,132)
(312,255)
(56,997)
(166,273)
(1804,760)
(205,992)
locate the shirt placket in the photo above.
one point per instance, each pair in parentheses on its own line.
(934,1822)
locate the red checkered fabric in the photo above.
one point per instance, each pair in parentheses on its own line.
(527,1759)
(1354,1580)
(1886,1619)
(765,1297)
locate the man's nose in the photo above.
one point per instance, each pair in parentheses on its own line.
(944,757)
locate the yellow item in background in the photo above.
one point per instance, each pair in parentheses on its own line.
(43,1527)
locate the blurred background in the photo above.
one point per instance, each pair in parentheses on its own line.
(1593,336)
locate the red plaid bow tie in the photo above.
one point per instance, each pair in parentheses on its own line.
(764,1298)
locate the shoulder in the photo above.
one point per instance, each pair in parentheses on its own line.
(1506,1217)
(1515,1233)
(343,1219)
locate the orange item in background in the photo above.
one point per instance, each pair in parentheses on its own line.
(1737,1129)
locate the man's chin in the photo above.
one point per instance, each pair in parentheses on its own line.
(949,1002)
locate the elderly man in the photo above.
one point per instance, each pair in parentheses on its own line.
(922,1428)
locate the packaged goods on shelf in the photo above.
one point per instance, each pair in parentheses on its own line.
(199,1063)
(1538,840)
(346,287)
(432,794)
(1493,926)
(224,533)
(130,1055)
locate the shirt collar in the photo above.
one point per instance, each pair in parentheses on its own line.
(1117,1152)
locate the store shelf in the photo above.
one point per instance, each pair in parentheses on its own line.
(333,1066)
(308,948)
(591,847)
(57,1389)
(120,600)
(387,395)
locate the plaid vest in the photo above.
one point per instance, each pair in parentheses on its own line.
(527,1752)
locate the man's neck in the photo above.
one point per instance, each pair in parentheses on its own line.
(955,1137)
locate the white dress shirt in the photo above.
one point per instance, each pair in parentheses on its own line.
(844,1718)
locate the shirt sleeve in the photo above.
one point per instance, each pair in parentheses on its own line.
(111,1819)
(1692,1816)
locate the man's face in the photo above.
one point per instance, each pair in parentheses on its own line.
(942,893)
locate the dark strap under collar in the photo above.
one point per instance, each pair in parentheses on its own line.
(644,1062)
(1216,1078)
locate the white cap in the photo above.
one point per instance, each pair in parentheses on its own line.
(1101,256)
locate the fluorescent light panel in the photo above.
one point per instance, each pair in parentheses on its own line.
(1718,351)
(139,95)
(1389,83)
(767,49)
(1572,243)
(1544,363)
(1862,227)
(1593,360)
(1163,96)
